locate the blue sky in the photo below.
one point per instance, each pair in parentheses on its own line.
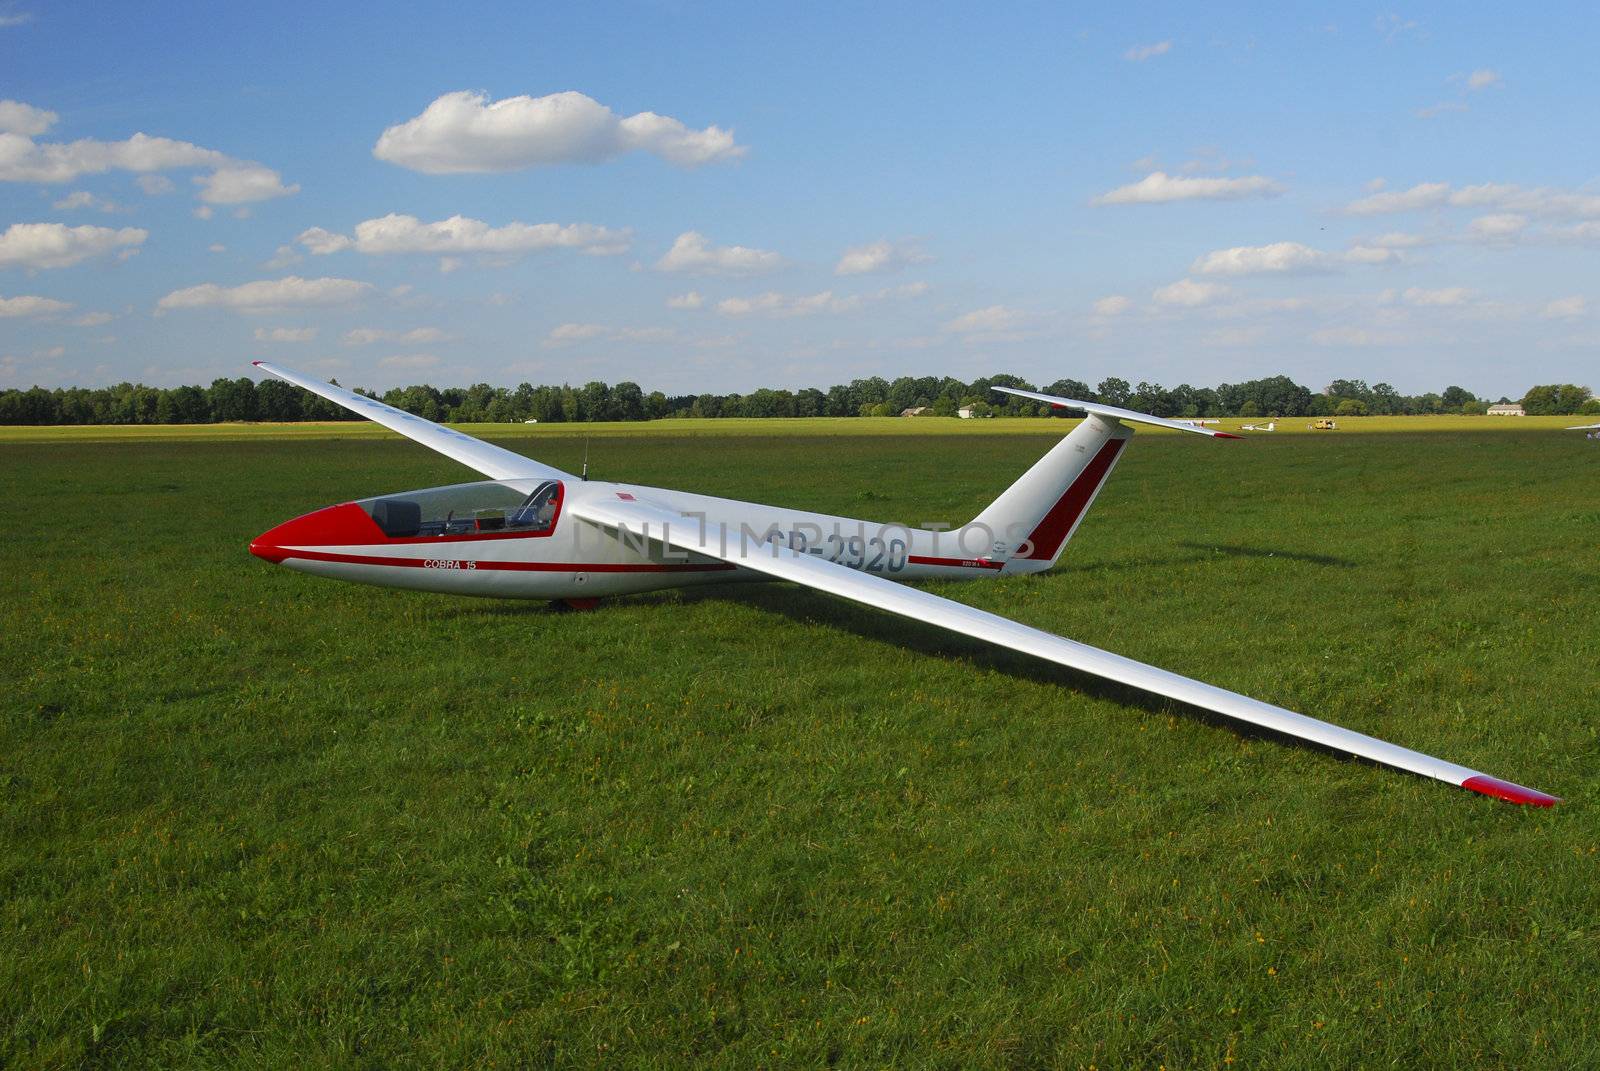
(727,196)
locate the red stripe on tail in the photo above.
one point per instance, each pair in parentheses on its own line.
(1046,539)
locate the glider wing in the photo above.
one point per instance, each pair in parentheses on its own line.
(718,540)
(493,461)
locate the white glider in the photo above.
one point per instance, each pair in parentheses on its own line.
(532,531)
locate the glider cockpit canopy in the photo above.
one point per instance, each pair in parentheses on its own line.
(512,506)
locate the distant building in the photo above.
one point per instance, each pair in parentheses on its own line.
(1508,409)
(966,412)
(915,411)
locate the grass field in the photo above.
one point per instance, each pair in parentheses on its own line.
(250,818)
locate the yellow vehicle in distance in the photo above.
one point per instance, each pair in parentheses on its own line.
(1325,425)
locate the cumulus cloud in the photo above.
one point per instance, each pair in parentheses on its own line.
(22,159)
(1499,227)
(31,305)
(267,295)
(24,119)
(1140,53)
(1566,308)
(155,185)
(1505,196)
(1188,293)
(417,336)
(1112,305)
(880,256)
(1483,78)
(83,199)
(56,245)
(92,319)
(409,360)
(691,300)
(692,254)
(239,184)
(571,333)
(1277,258)
(466,132)
(1441,298)
(285,334)
(1158,187)
(459,235)
(995,319)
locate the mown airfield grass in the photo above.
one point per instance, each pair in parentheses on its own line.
(255,819)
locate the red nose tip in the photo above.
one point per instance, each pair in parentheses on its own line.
(335,526)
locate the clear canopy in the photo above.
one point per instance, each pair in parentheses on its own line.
(490,506)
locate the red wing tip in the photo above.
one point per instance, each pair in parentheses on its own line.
(1505,790)
(1225,435)
(256,363)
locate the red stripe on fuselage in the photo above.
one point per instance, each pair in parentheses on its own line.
(279,554)
(956,563)
(1047,537)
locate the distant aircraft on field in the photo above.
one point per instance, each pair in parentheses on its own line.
(531,531)
(1271,425)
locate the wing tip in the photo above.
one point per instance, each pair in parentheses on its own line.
(1226,435)
(1511,793)
(256,363)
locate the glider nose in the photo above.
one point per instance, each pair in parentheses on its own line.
(343,525)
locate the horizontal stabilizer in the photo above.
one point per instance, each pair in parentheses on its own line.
(1114,413)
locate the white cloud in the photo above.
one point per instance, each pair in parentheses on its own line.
(693,255)
(242,183)
(92,319)
(290,292)
(1500,227)
(22,159)
(155,185)
(409,360)
(1112,305)
(1566,308)
(1351,337)
(1433,111)
(882,255)
(1508,197)
(691,300)
(1445,297)
(417,336)
(466,132)
(83,199)
(31,305)
(569,334)
(992,320)
(283,257)
(1140,53)
(55,245)
(285,334)
(1422,195)
(204,212)
(218,247)
(1397,240)
(15,18)
(1188,293)
(459,235)
(1373,254)
(784,306)
(1158,187)
(1277,258)
(24,119)
(1483,78)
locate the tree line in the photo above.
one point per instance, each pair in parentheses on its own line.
(244,399)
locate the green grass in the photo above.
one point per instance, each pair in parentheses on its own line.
(250,818)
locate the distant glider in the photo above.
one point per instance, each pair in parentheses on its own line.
(534,532)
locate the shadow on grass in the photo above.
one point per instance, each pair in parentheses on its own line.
(811,608)
(1236,551)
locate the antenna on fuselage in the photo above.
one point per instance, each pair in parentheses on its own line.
(584,474)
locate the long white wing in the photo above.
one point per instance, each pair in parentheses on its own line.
(1583,427)
(641,519)
(1114,413)
(492,461)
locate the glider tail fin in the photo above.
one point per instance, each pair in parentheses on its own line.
(1036,516)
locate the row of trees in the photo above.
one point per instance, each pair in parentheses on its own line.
(274,400)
